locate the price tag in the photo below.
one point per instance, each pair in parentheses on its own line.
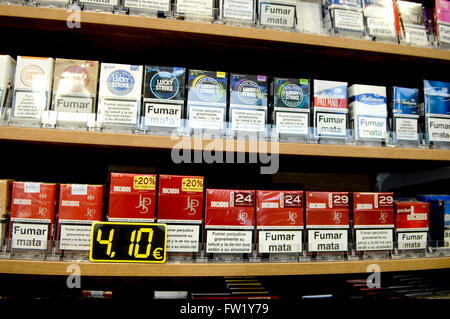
(128,242)
(144,182)
(192,185)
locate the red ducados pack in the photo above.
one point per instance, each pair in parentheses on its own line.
(279,209)
(373,210)
(327,209)
(230,208)
(79,206)
(132,197)
(411,216)
(180,199)
(80,202)
(33,209)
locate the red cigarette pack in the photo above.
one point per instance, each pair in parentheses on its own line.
(327,209)
(373,210)
(411,216)
(132,197)
(230,208)
(180,199)
(279,209)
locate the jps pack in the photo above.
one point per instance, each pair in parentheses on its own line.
(33,210)
(164,91)
(344,17)
(279,209)
(373,220)
(279,220)
(80,202)
(330,109)
(373,210)
(327,221)
(79,206)
(180,199)
(180,206)
(32,88)
(229,221)
(291,105)
(207,99)
(226,207)
(327,209)
(132,197)
(248,102)
(368,111)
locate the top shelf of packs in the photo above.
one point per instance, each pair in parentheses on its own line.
(52,19)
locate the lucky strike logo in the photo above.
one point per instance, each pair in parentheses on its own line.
(120,82)
(249,92)
(164,85)
(207,89)
(291,95)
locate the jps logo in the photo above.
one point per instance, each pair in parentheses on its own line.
(242,218)
(383,217)
(191,205)
(292,218)
(42,211)
(337,217)
(90,213)
(144,202)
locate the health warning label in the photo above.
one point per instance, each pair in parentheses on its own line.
(229,241)
(183,238)
(374,239)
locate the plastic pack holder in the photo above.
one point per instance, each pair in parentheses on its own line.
(148,8)
(99,5)
(277,14)
(197,11)
(240,13)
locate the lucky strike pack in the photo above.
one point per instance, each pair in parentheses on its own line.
(79,202)
(411,216)
(33,209)
(279,209)
(132,197)
(180,199)
(232,208)
(373,210)
(327,209)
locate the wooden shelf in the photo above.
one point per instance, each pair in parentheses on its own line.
(211,269)
(121,140)
(168,25)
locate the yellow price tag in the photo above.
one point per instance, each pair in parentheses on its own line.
(192,185)
(144,182)
(221,75)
